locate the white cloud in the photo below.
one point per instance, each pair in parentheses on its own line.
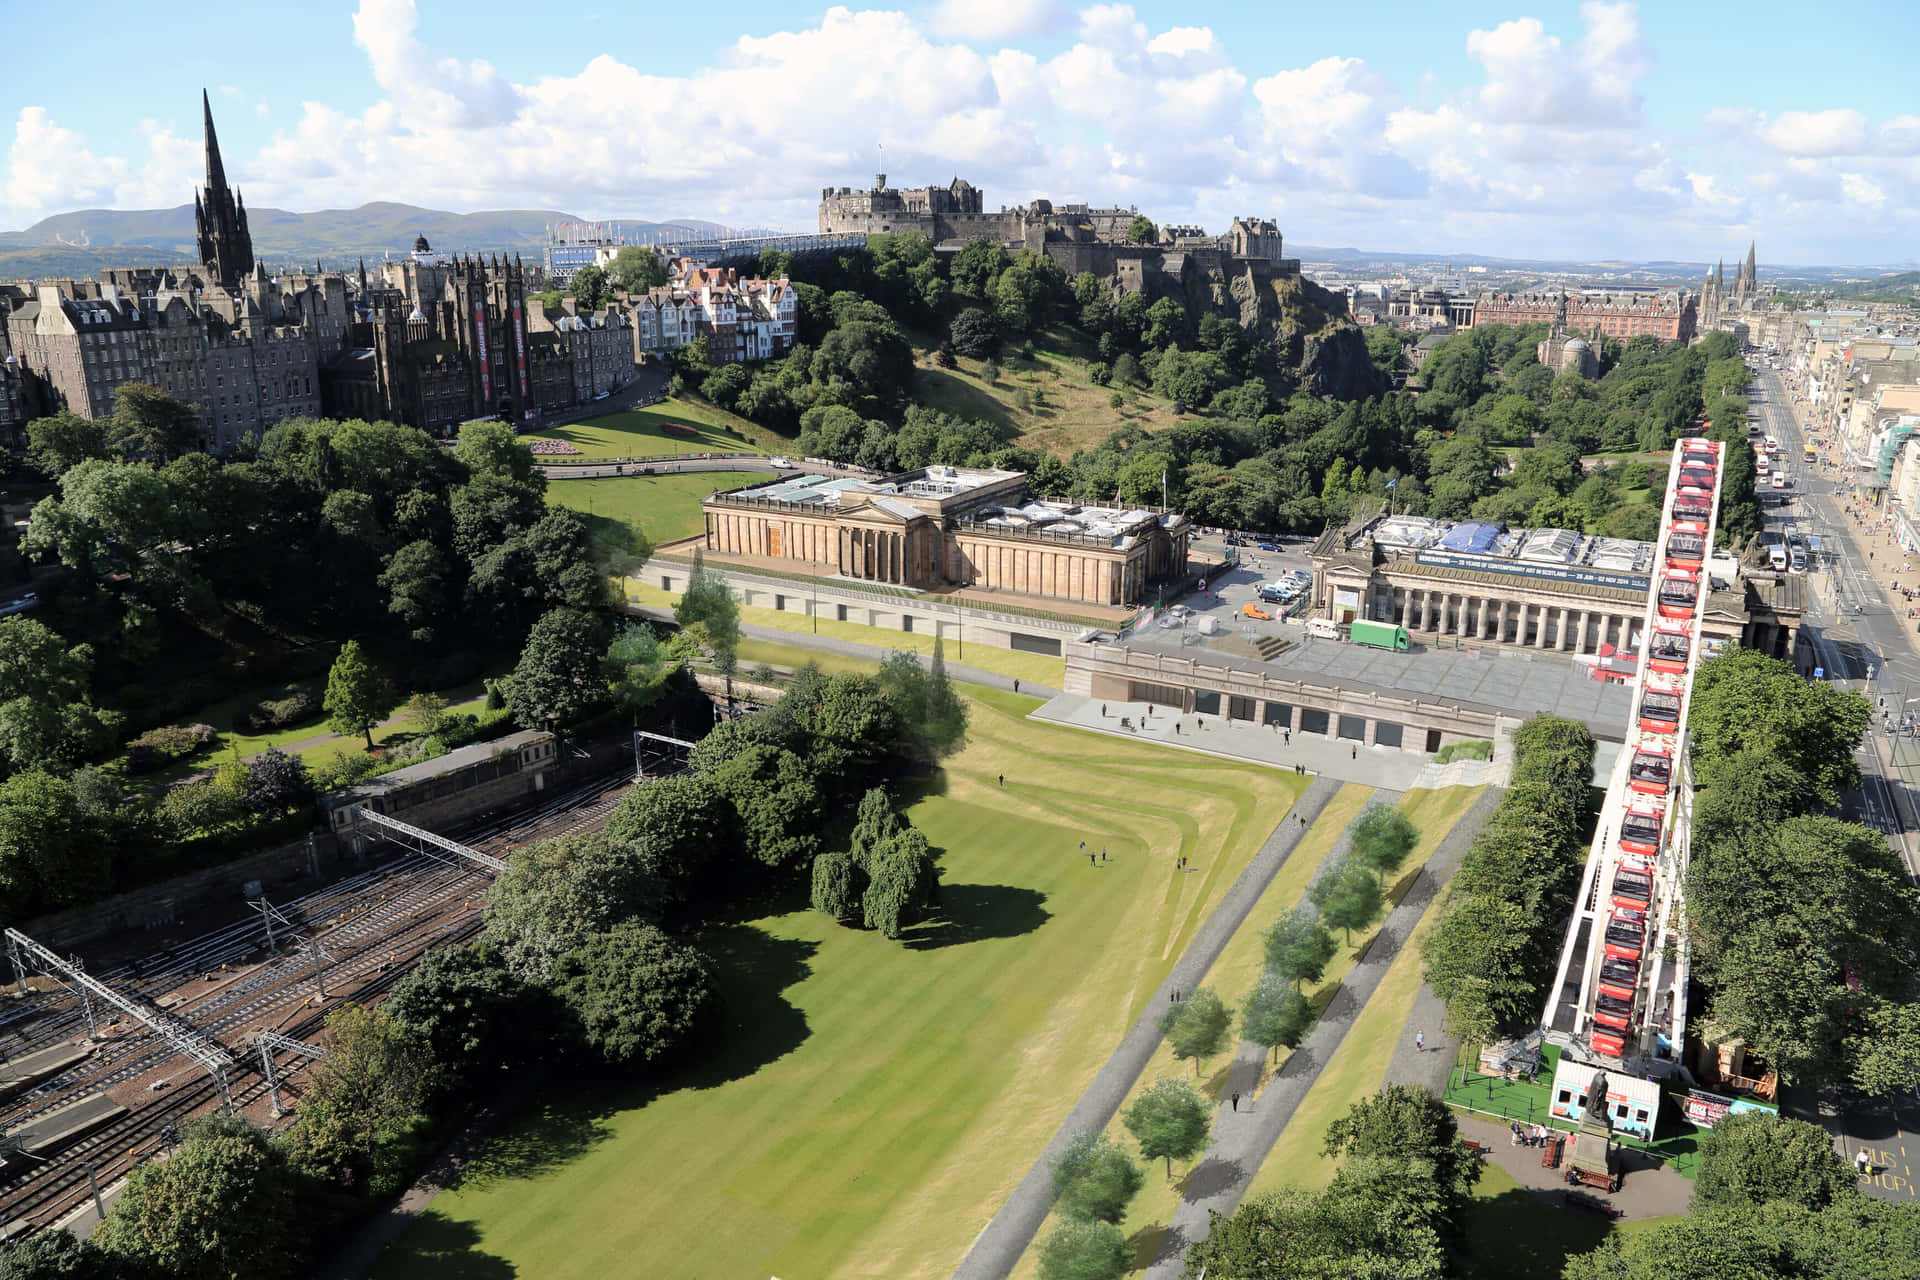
(1544,149)
(992,21)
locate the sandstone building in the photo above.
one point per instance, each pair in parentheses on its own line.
(741,317)
(1666,314)
(954,527)
(1734,309)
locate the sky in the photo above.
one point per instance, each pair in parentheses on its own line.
(1512,128)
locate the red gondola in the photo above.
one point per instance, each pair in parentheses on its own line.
(1660,710)
(1640,829)
(1609,1011)
(1626,934)
(1685,547)
(1668,649)
(1698,451)
(1609,1045)
(1679,593)
(1619,977)
(1632,889)
(1693,503)
(1651,772)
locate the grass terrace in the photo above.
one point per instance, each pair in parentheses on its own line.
(659,508)
(876,1101)
(642,433)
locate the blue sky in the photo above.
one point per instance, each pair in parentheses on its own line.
(1523,129)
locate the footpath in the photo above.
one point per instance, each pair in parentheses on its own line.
(998,1247)
(1242,1138)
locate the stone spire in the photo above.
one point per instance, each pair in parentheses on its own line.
(220,220)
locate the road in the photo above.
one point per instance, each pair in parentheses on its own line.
(1850,631)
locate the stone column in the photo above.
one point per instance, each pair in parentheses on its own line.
(1368,735)
(1467,606)
(1580,636)
(1542,613)
(1548,637)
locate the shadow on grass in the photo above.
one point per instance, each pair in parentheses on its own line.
(542,1137)
(436,1245)
(756,1023)
(1518,1236)
(977,912)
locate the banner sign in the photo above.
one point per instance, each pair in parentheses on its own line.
(520,346)
(1704,1110)
(1524,569)
(480,347)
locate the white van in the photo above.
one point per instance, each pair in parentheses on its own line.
(1777,557)
(1323,628)
(1779,479)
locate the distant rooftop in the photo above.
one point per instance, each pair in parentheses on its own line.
(1461,542)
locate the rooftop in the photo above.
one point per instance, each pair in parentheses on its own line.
(1460,542)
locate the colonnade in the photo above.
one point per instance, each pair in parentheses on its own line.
(875,554)
(1563,628)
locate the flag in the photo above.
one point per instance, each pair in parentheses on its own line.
(1392,483)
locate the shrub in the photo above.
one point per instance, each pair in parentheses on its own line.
(1479,749)
(295,704)
(162,746)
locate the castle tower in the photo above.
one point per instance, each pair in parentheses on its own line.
(220,221)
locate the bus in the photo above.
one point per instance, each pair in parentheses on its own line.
(1809,456)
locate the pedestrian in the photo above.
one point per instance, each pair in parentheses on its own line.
(1419,1042)
(1091,862)
(1176,726)
(1236,1102)
(1149,708)
(1103,853)
(1003,779)
(1016,686)
(1289,734)
(1862,1162)
(1513,1127)
(1103,711)
(1356,753)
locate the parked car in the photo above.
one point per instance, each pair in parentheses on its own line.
(1270,546)
(1235,540)
(1251,610)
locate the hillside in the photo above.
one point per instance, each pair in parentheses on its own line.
(83,241)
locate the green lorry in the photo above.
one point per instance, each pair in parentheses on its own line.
(1381,635)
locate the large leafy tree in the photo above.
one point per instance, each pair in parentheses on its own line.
(1406,1122)
(365,1101)
(1348,896)
(1753,1157)
(50,853)
(1298,947)
(358,696)
(220,1208)
(1094,1179)
(149,423)
(559,679)
(468,1011)
(45,686)
(1276,1015)
(57,443)
(1170,1121)
(1744,699)
(903,883)
(1383,837)
(932,716)
(1856,1237)
(556,893)
(681,834)
(708,601)
(633,993)
(637,269)
(1085,1249)
(1198,1026)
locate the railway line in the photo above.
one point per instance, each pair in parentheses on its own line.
(370,928)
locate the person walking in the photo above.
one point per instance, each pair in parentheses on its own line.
(1103,853)
(1016,686)
(1091,861)
(1003,779)
(1236,1102)
(1356,753)
(1419,1042)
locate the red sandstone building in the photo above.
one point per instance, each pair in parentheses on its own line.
(1665,314)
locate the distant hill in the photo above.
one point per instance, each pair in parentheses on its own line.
(82,242)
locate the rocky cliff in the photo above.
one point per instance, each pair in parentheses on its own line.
(1314,342)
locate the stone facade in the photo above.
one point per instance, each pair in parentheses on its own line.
(1732,309)
(948,526)
(741,317)
(1666,314)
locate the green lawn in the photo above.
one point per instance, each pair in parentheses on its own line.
(663,508)
(875,1102)
(637,433)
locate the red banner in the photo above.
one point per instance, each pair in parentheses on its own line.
(520,346)
(480,347)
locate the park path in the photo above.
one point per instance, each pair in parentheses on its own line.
(1243,1138)
(1001,1242)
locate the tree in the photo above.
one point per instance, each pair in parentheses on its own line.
(220,1208)
(1855,1237)
(357,695)
(50,854)
(637,269)
(1275,1014)
(1744,699)
(1170,1121)
(902,884)
(1751,1157)
(775,800)
(1093,1179)
(558,680)
(57,1255)
(975,333)
(148,423)
(555,893)
(277,782)
(1406,1123)
(1197,1026)
(680,832)
(364,1102)
(637,668)
(931,714)
(633,993)
(1141,230)
(839,885)
(467,1010)
(58,443)
(1085,1249)
(1348,896)
(590,287)
(419,593)
(1298,947)
(1383,838)
(1884,1053)
(708,600)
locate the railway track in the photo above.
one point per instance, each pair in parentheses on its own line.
(372,927)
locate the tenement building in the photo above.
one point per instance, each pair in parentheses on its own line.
(1666,314)
(1485,584)
(741,317)
(954,527)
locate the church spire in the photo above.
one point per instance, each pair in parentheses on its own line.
(1750,274)
(226,246)
(216,173)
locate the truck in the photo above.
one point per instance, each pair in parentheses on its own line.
(1381,635)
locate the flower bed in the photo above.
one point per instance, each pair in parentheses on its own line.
(680,429)
(550,448)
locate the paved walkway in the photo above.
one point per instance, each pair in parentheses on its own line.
(1388,767)
(998,1247)
(1648,1190)
(854,649)
(1242,1139)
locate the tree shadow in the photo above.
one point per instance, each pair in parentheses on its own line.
(1518,1233)
(436,1245)
(755,1024)
(977,912)
(542,1137)
(1213,1177)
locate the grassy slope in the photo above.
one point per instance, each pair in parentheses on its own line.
(1074,413)
(1008,662)
(636,433)
(876,1101)
(663,508)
